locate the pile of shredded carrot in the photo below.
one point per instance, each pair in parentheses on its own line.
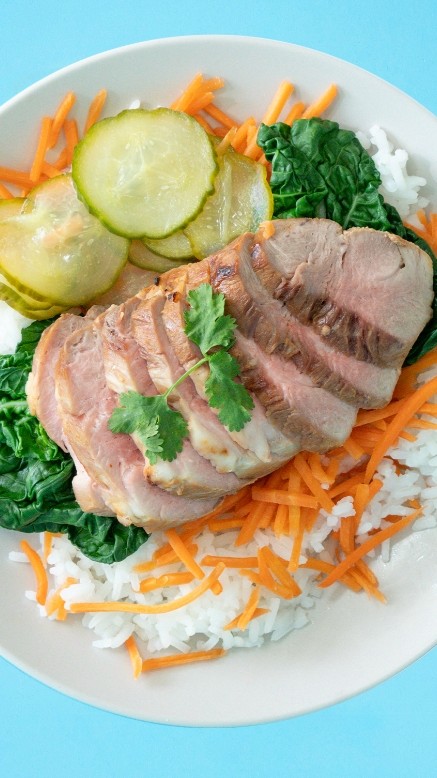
(60,133)
(287,501)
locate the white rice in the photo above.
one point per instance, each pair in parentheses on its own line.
(398,188)
(200,625)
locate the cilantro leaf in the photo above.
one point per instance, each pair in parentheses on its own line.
(205,322)
(232,399)
(160,428)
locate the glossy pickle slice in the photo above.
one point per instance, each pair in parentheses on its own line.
(145,173)
(55,252)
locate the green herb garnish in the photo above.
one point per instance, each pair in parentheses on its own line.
(160,428)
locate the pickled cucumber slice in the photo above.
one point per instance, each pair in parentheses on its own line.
(55,251)
(10,208)
(145,173)
(141,256)
(16,301)
(176,246)
(241,201)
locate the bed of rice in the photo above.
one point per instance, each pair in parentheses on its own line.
(200,625)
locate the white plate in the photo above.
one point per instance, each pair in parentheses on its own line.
(352,643)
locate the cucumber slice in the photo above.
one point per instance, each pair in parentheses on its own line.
(145,173)
(54,251)
(143,257)
(241,201)
(176,246)
(24,306)
(10,208)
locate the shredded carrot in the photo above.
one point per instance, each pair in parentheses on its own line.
(313,485)
(184,100)
(17,177)
(294,113)
(327,567)
(42,584)
(199,103)
(282,497)
(281,520)
(322,103)
(267,229)
(239,141)
(61,114)
(257,612)
(221,525)
(41,149)
(161,662)
(226,140)
(367,546)
(230,561)
(250,609)
(56,602)
(203,123)
(221,117)
(164,559)
(169,579)
(71,137)
(165,607)
(411,405)
(278,566)
(253,521)
(297,545)
(282,94)
(5,194)
(135,656)
(183,553)
(353,448)
(47,545)
(95,109)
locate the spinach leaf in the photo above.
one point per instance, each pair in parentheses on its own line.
(321,170)
(36,475)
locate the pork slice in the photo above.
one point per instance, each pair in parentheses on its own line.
(367,293)
(258,447)
(112,460)
(267,321)
(205,443)
(42,401)
(127,369)
(313,418)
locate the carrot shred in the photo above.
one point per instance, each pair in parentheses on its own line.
(411,406)
(184,554)
(282,497)
(135,656)
(257,612)
(226,140)
(41,149)
(56,602)
(326,567)
(297,546)
(95,109)
(159,663)
(294,113)
(282,94)
(221,117)
(169,579)
(184,100)
(203,123)
(5,194)
(17,177)
(59,117)
(165,607)
(278,566)
(353,448)
(322,103)
(239,141)
(367,546)
(253,522)
(42,584)
(230,561)
(164,559)
(47,546)
(71,137)
(313,485)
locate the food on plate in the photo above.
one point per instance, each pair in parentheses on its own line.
(320,333)
(168,393)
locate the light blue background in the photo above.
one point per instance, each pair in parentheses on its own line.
(389,730)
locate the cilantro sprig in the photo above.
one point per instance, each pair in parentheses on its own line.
(159,427)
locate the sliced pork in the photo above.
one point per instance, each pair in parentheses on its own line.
(324,317)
